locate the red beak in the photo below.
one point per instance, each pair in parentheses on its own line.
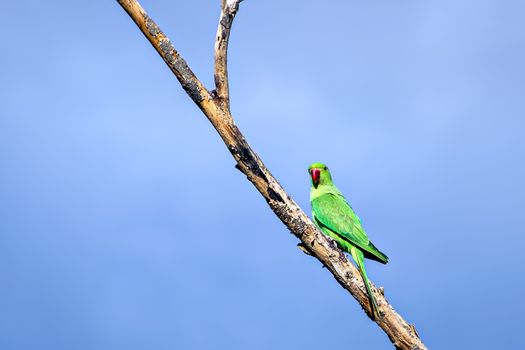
(316,174)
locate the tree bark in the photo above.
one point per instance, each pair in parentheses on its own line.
(216,107)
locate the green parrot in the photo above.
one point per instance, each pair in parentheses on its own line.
(335,217)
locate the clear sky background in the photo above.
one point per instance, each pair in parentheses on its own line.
(124,224)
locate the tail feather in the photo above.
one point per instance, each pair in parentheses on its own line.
(357,254)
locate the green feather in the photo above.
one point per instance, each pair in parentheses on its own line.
(332,212)
(336,218)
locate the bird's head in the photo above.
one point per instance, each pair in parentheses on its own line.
(319,174)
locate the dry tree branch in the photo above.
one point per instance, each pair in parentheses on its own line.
(216,108)
(228,11)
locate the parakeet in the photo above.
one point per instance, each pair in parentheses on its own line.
(335,217)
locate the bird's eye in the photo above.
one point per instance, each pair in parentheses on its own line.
(325,168)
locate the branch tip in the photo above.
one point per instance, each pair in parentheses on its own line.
(228,10)
(302,247)
(189,81)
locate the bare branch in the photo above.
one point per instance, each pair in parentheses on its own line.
(401,333)
(228,10)
(164,47)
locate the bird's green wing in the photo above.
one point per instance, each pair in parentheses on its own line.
(333,212)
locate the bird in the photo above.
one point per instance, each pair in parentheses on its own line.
(334,216)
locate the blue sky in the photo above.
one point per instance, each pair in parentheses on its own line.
(124,224)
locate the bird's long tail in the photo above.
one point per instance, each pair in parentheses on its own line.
(357,254)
